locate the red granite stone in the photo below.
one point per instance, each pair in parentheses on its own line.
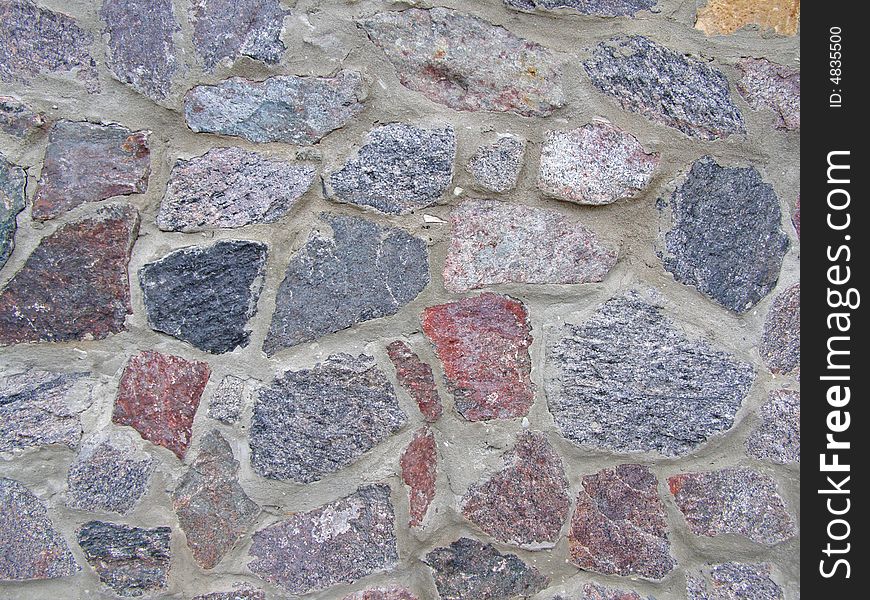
(483,343)
(158,397)
(419,462)
(74,286)
(416,377)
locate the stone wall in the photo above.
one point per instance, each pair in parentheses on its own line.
(394,300)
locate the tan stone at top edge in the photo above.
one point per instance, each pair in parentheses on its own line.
(724,17)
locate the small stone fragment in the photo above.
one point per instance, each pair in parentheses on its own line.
(724,17)
(593,591)
(619,526)
(496,242)
(777,87)
(86,162)
(780,346)
(595,164)
(466,63)
(496,167)
(110,474)
(289,109)
(483,343)
(778,438)
(74,286)
(733,501)
(394,593)
(733,581)
(796,217)
(224,30)
(724,234)
(696,99)
(399,168)
(213,510)
(141,52)
(416,377)
(32,547)
(242,592)
(231,187)
(131,561)
(226,402)
(206,295)
(470,569)
(599,8)
(629,380)
(339,542)
(13,180)
(419,463)
(313,422)
(526,503)
(364,271)
(36,40)
(19,119)
(158,397)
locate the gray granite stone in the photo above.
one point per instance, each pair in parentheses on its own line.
(600,8)
(780,346)
(496,167)
(767,84)
(13,180)
(733,581)
(778,437)
(19,119)
(224,30)
(225,404)
(242,592)
(593,591)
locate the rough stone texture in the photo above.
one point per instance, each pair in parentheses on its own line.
(18,119)
(13,180)
(74,285)
(733,501)
(483,343)
(419,463)
(470,569)
(466,63)
(131,561)
(213,510)
(733,581)
(416,378)
(496,167)
(526,503)
(225,404)
(796,218)
(595,164)
(394,593)
(205,295)
(158,396)
(313,422)
(87,162)
(110,474)
(364,271)
(777,87)
(289,109)
(339,542)
(495,242)
(629,380)
(140,47)
(600,8)
(224,30)
(725,237)
(230,187)
(619,525)
(780,346)
(32,548)
(36,41)
(243,592)
(592,591)
(399,168)
(778,438)
(724,17)
(696,100)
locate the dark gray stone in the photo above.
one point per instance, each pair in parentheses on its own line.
(496,167)
(32,548)
(339,542)
(310,423)
(13,181)
(399,168)
(131,561)
(224,30)
(724,234)
(665,86)
(205,296)
(290,109)
(226,402)
(471,569)
(733,581)
(600,8)
(629,380)
(19,119)
(141,52)
(364,271)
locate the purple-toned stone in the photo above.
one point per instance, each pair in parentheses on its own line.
(74,286)
(496,242)
(796,217)
(733,581)
(225,404)
(599,8)
(419,464)
(526,503)
(593,591)
(767,84)
(778,438)
(87,162)
(242,592)
(224,30)
(496,167)
(737,501)
(32,547)
(381,593)
(467,63)
(340,542)
(416,378)
(13,181)
(780,346)
(18,119)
